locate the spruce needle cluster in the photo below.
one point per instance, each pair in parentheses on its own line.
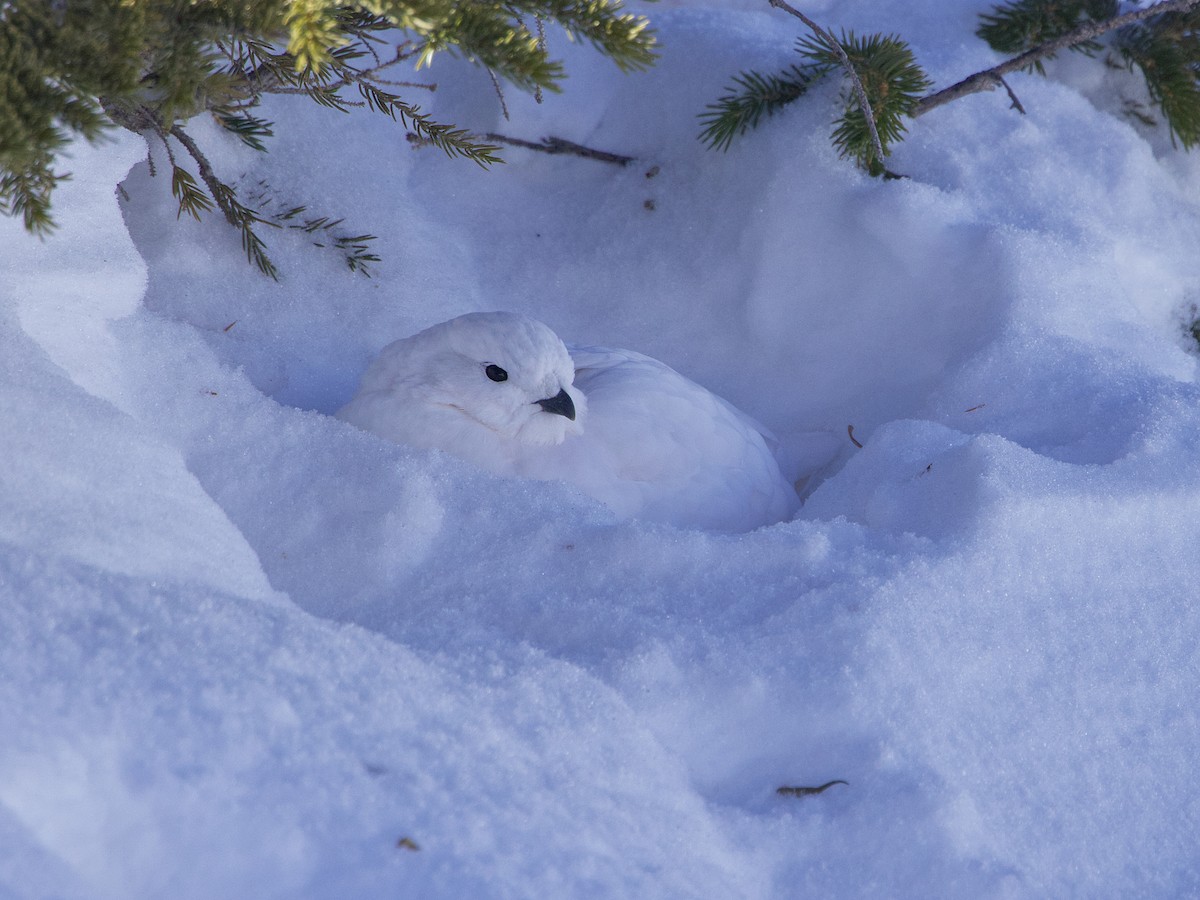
(75,68)
(1017,27)
(893,82)
(1161,39)
(1165,48)
(885,65)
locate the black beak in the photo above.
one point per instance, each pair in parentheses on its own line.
(560,404)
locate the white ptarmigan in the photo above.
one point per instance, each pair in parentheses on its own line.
(504,392)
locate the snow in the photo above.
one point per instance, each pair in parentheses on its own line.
(250,648)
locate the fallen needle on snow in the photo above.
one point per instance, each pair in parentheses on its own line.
(808,791)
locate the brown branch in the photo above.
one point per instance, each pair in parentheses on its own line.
(808,791)
(541,45)
(136,118)
(1016,101)
(499,93)
(993,77)
(859,91)
(555,145)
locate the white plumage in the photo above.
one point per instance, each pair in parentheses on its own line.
(503,391)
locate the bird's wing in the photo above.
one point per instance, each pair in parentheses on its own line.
(660,446)
(592,364)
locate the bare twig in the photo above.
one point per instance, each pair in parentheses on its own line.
(162,136)
(990,78)
(1016,102)
(808,791)
(499,93)
(859,91)
(855,441)
(541,43)
(555,145)
(406,84)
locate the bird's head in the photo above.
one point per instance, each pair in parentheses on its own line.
(508,373)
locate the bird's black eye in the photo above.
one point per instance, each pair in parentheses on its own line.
(496,373)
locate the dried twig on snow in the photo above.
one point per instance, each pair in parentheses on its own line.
(808,791)
(556,145)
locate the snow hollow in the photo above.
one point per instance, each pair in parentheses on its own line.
(252,651)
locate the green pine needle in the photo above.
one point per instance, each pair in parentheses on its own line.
(249,129)
(1166,49)
(885,65)
(27,194)
(893,83)
(450,140)
(625,38)
(751,96)
(244,219)
(1016,27)
(356,252)
(192,200)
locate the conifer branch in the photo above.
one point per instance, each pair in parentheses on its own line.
(893,83)
(750,97)
(1162,40)
(1088,31)
(75,68)
(859,91)
(27,194)
(238,215)
(1167,50)
(883,65)
(1020,25)
(215,186)
(500,94)
(404,52)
